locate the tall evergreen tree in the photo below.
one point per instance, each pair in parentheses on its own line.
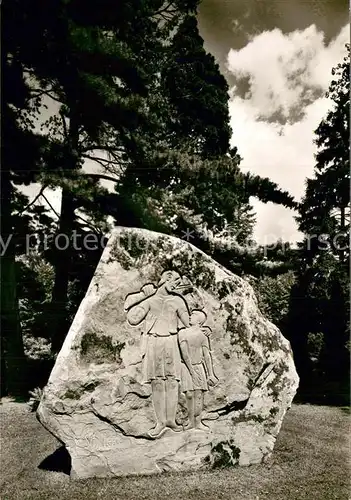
(321,295)
(326,205)
(20,159)
(151,112)
(197,92)
(99,68)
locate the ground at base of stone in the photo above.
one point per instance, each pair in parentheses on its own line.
(310,461)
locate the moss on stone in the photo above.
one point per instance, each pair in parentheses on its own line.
(250,383)
(228,307)
(78,392)
(135,244)
(117,254)
(268,336)
(238,331)
(228,287)
(118,348)
(99,348)
(257,418)
(247,418)
(239,418)
(277,385)
(168,255)
(223,454)
(187,263)
(273,411)
(223,290)
(72,394)
(128,248)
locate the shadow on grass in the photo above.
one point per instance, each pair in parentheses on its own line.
(59,461)
(325,394)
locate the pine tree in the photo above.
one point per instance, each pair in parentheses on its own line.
(20,159)
(197,92)
(184,175)
(98,68)
(136,93)
(321,295)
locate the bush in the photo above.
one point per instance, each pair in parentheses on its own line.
(273,295)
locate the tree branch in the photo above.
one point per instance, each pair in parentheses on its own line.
(101,176)
(88,224)
(105,164)
(33,201)
(98,147)
(65,131)
(52,208)
(44,92)
(98,159)
(163,9)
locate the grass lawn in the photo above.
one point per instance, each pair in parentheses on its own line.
(310,461)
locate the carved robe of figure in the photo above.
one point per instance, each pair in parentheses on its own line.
(163,311)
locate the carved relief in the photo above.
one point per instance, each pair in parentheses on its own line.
(175,348)
(197,370)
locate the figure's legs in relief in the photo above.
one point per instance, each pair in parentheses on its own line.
(199,406)
(172,386)
(190,403)
(158,387)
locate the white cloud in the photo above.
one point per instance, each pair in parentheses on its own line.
(286,73)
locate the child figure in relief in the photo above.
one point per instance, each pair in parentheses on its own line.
(197,370)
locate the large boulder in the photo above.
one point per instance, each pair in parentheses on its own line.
(168,365)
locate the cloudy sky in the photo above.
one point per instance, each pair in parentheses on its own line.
(277,56)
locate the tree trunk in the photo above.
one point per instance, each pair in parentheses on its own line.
(59,300)
(342,251)
(13,361)
(62,270)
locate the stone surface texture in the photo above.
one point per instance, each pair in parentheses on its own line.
(167,371)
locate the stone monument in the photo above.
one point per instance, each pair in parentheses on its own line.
(168,365)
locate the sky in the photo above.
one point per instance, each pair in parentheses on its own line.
(277,57)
